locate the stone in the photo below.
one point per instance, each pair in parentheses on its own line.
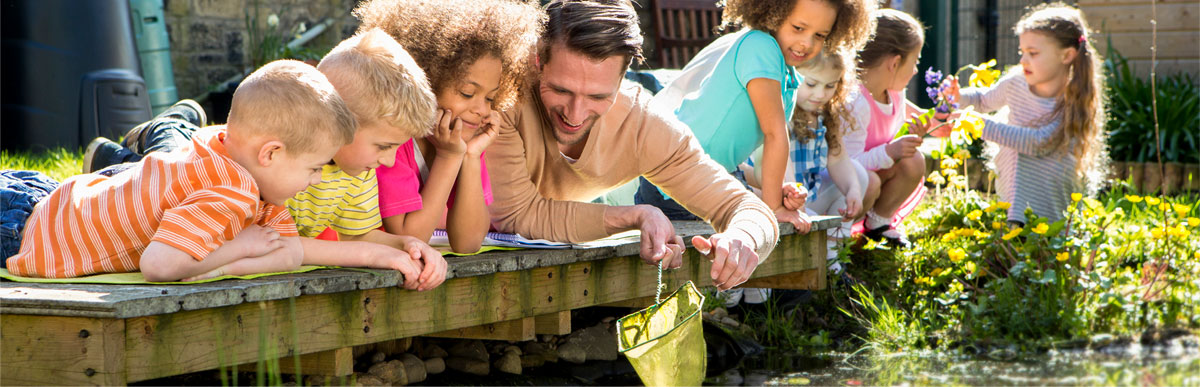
(469,349)
(316,380)
(545,338)
(467,365)
(598,342)
(509,363)
(531,361)
(718,314)
(431,351)
(434,366)
(731,322)
(413,367)
(378,357)
(512,348)
(608,320)
(362,379)
(391,372)
(572,352)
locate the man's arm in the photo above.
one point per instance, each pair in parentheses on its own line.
(747,228)
(518,207)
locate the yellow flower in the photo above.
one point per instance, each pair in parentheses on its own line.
(962,154)
(1133,198)
(969,267)
(1157,233)
(936,272)
(949,237)
(1153,201)
(1181,208)
(1178,231)
(981,234)
(983,75)
(1041,228)
(949,163)
(936,178)
(1076,197)
(997,225)
(1194,222)
(974,215)
(1196,254)
(956,255)
(965,232)
(1003,205)
(1012,233)
(1063,256)
(1163,206)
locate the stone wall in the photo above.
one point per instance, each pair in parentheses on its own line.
(210,41)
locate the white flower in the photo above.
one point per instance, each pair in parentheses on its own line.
(273,21)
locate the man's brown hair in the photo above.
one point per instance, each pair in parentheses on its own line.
(596,28)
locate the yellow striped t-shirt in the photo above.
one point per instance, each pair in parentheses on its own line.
(347,204)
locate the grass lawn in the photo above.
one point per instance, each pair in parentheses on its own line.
(58,163)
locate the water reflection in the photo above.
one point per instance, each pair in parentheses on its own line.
(1056,368)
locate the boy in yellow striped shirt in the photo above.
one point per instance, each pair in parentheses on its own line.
(392,102)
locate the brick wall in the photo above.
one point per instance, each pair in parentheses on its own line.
(210,40)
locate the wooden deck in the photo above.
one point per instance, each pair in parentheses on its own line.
(117,334)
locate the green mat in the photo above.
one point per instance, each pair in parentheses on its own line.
(136,278)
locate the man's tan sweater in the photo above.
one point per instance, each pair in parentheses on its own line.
(541,194)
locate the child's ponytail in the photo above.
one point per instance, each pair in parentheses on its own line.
(1081,105)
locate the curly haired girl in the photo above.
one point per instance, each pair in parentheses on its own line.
(475,54)
(748,95)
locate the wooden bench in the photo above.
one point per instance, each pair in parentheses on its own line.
(683,28)
(117,334)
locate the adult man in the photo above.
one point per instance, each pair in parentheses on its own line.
(581,133)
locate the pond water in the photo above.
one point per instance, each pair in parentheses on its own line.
(1055,368)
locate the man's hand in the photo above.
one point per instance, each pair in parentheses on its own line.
(433,272)
(794,196)
(797,218)
(659,240)
(447,135)
(733,260)
(905,146)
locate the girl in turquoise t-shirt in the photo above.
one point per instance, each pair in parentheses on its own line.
(748,96)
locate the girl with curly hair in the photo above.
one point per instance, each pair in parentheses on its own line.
(475,55)
(746,95)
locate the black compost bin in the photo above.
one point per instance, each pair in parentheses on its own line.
(70,73)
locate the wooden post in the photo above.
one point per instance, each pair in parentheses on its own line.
(79,350)
(553,323)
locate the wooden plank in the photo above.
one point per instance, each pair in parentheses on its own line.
(1171,44)
(199,340)
(43,350)
(803,280)
(513,330)
(1136,18)
(553,323)
(336,362)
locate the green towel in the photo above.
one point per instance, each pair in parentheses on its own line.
(136,278)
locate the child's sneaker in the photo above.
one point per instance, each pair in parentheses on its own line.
(185,110)
(894,237)
(102,153)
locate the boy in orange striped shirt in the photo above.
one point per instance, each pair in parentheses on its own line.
(216,205)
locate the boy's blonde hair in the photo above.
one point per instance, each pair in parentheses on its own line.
(380,81)
(836,112)
(294,102)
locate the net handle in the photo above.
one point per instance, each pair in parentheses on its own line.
(659,288)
